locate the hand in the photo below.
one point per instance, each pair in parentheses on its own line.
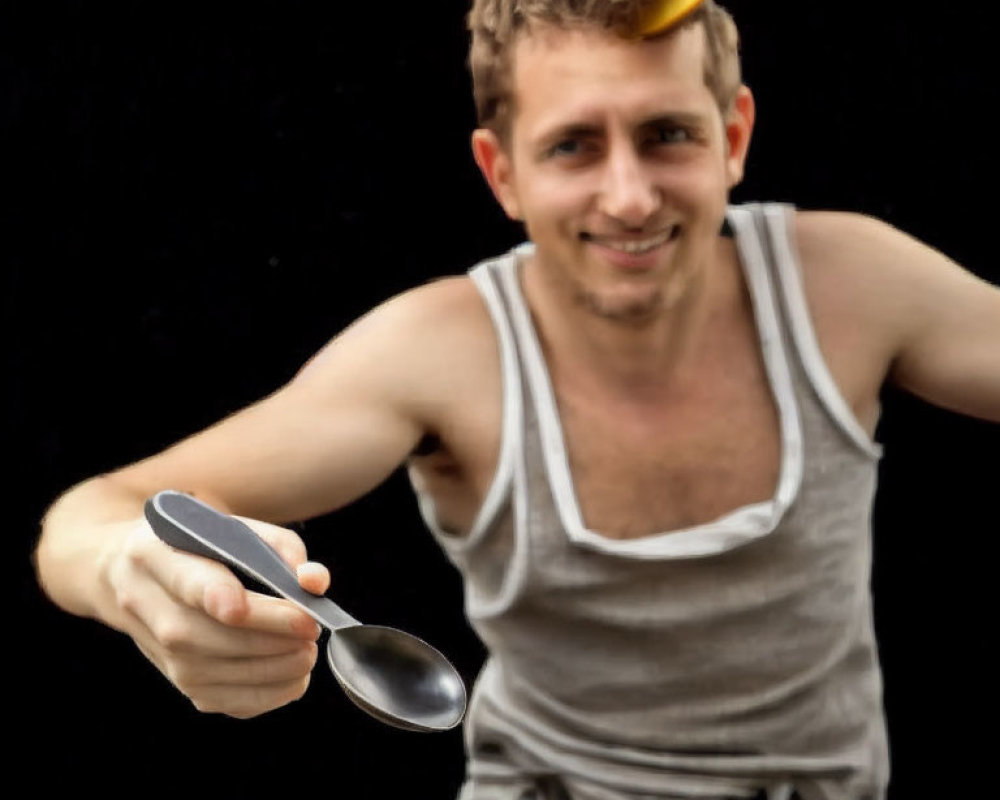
(229,650)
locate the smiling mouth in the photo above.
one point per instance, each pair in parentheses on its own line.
(634,246)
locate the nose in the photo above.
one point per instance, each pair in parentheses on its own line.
(628,191)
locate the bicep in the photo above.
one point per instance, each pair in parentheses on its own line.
(336,431)
(283,459)
(949,354)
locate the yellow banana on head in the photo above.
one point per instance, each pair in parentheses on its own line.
(664,15)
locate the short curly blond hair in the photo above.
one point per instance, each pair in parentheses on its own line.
(496,24)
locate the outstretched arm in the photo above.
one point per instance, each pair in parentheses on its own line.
(333,433)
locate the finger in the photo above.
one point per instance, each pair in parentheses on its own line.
(203,584)
(276,616)
(192,580)
(240,687)
(191,674)
(313,577)
(217,592)
(244,702)
(270,626)
(288,543)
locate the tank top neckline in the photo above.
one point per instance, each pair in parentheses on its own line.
(734,528)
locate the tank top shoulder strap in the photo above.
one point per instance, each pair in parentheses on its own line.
(488,278)
(493,557)
(775,224)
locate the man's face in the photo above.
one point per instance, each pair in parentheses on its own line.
(619,163)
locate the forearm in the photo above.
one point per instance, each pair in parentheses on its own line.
(79,532)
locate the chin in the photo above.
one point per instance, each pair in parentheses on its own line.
(631,307)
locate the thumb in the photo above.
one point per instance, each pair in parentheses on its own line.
(287,543)
(313,577)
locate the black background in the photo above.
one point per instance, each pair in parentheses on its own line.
(198,199)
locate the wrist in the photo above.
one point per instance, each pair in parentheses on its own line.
(76,555)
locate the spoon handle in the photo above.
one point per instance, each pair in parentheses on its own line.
(188,524)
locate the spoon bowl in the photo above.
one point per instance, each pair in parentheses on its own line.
(382,668)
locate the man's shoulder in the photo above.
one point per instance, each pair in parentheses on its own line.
(849,255)
(854,240)
(862,252)
(844,235)
(864,275)
(450,308)
(413,338)
(440,308)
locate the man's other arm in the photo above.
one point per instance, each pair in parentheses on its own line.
(916,317)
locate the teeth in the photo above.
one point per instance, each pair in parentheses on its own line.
(633,247)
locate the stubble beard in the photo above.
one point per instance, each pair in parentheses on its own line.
(638,306)
(634,310)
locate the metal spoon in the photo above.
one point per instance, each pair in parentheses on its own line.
(397,678)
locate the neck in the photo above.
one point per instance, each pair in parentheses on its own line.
(643,358)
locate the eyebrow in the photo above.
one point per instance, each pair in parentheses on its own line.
(677,119)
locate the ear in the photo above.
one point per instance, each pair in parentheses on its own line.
(739,129)
(497,168)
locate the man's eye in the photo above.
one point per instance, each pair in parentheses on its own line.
(568,147)
(672,135)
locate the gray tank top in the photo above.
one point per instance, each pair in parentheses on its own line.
(707,661)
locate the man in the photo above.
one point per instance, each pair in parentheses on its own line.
(647,446)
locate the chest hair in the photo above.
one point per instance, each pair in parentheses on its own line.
(641,468)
